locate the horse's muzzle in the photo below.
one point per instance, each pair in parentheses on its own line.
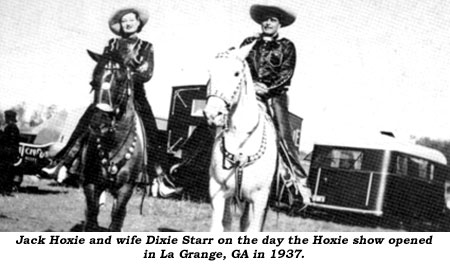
(215,112)
(212,119)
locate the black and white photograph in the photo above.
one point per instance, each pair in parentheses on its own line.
(214,116)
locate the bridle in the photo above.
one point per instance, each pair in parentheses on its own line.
(105,90)
(112,106)
(105,101)
(231,99)
(237,161)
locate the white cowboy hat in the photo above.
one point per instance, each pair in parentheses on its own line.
(114,21)
(260,13)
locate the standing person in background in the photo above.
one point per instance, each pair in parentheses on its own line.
(9,153)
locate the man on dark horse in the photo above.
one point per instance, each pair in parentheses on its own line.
(9,152)
(137,55)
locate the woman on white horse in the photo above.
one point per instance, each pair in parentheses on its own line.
(137,55)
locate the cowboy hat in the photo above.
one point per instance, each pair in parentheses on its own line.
(260,13)
(114,21)
(11,115)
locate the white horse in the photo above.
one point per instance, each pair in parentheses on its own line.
(244,155)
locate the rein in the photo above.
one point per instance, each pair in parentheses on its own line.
(229,100)
(238,161)
(111,162)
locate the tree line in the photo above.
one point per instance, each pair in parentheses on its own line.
(441,145)
(28,121)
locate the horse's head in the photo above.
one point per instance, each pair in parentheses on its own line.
(229,73)
(110,82)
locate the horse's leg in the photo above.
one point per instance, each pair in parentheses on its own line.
(245,222)
(218,202)
(120,207)
(227,218)
(258,210)
(92,194)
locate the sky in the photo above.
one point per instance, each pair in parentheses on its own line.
(361,64)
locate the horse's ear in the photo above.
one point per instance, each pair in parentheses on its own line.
(244,50)
(94,55)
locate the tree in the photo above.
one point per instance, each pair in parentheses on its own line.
(2,118)
(441,145)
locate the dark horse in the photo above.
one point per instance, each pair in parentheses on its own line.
(113,156)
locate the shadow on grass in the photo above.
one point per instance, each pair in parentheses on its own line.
(80,226)
(37,191)
(2,216)
(166,229)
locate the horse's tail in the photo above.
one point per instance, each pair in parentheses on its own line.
(141,207)
(144,193)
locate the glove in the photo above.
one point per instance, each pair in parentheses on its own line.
(261,89)
(142,68)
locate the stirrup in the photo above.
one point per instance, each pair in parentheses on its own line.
(293,193)
(161,189)
(50,170)
(57,172)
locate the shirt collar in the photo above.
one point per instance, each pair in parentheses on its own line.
(130,39)
(269,38)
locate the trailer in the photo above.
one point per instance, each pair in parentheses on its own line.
(381,176)
(32,158)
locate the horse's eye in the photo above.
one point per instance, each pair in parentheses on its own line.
(236,74)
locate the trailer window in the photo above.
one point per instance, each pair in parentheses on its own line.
(431,173)
(343,159)
(418,168)
(296,134)
(191,130)
(401,165)
(197,107)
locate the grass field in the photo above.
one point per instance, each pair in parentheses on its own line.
(40,205)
